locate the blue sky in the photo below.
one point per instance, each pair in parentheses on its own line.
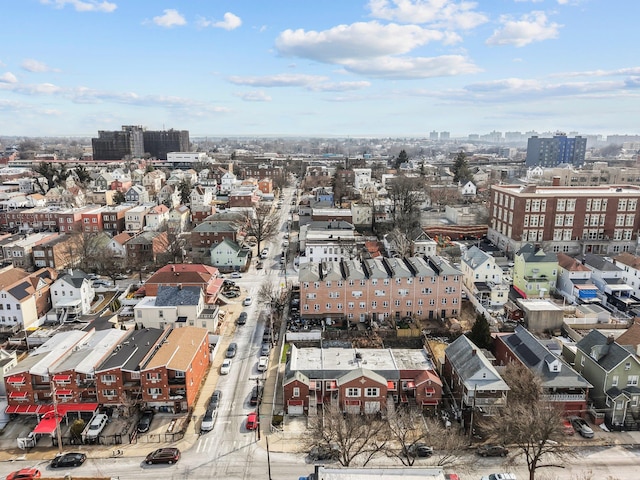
(319,67)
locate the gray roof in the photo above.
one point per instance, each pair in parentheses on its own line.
(532,255)
(337,225)
(169,296)
(538,358)
(215,226)
(605,351)
(600,263)
(133,349)
(473,367)
(75,278)
(474,257)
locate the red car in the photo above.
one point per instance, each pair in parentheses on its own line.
(24,474)
(567,428)
(252,421)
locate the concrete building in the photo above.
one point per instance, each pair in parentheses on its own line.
(550,152)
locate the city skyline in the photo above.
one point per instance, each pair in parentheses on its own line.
(336,68)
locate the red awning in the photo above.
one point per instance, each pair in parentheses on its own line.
(64,393)
(429,402)
(62,378)
(352,402)
(411,384)
(429,390)
(46,426)
(62,409)
(296,402)
(333,385)
(18,395)
(16,379)
(312,385)
(391,385)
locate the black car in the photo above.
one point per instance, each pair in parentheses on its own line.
(242,319)
(144,424)
(214,401)
(418,450)
(492,451)
(163,455)
(68,460)
(256,396)
(324,452)
(231,350)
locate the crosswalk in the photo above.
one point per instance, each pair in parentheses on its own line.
(213,443)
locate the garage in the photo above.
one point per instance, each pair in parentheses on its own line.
(295,407)
(371,407)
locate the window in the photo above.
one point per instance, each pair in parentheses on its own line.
(614,381)
(627,366)
(632,380)
(296,391)
(109,393)
(153,376)
(108,378)
(372,392)
(154,391)
(353,392)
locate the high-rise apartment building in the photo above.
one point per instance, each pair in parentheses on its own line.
(573,220)
(550,152)
(135,142)
(157,143)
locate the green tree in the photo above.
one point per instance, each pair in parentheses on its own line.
(460,169)
(184,187)
(401,158)
(82,175)
(118,198)
(480,333)
(53,176)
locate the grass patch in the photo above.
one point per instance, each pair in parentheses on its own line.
(285,350)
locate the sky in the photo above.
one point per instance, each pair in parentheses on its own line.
(399,68)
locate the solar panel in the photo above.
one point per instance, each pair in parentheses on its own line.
(527,355)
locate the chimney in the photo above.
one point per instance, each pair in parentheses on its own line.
(555,181)
(610,339)
(173,268)
(473,352)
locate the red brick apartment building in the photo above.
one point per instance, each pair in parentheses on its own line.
(571,220)
(376,289)
(359,380)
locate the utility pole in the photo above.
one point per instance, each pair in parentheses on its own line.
(55,411)
(473,408)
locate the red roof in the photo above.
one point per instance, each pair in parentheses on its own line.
(46,426)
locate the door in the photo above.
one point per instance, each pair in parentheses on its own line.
(296,409)
(371,407)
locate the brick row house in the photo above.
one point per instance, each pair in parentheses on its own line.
(25,298)
(359,380)
(156,368)
(375,289)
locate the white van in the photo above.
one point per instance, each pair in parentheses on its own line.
(95,426)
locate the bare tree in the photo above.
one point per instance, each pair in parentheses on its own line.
(355,436)
(406,195)
(262,224)
(529,423)
(407,428)
(449,443)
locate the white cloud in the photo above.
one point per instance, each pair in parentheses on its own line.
(412,68)
(441,13)
(230,22)
(8,78)
(280,80)
(170,18)
(35,66)
(532,27)
(83,5)
(601,73)
(254,96)
(355,41)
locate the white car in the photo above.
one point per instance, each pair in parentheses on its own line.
(236,275)
(225,368)
(247,301)
(263,363)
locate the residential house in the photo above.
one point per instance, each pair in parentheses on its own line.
(153,181)
(327,240)
(265,185)
(614,372)
(630,265)
(118,244)
(423,244)
(561,384)
(534,271)
(72,294)
(574,281)
(201,196)
(25,302)
(156,218)
(210,233)
(228,256)
(136,194)
(483,277)
(20,252)
(122,185)
(56,252)
(179,219)
(117,377)
(147,247)
(243,199)
(8,360)
(173,376)
(359,380)
(227,182)
(474,381)
(361,215)
(92,220)
(186,274)
(169,195)
(134,218)
(609,278)
(114,219)
(103,181)
(176,306)
(468,189)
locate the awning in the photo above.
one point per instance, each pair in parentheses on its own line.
(18,395)
(16,379)
(21,409)
(62,378)
(64,393)
(46,426)
(429,402)
(391,385)
(411,384)
(296,402)
(352,402)
(312,384)
(333,385)
(429,390)
(41,409)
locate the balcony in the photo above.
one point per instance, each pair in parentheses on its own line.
(500,400)
(565,397)
(177,381)
(536,278)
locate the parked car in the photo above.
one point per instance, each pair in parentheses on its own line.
(225,368)
(214,401)
(24,474)
(228,283)
(492,451)
(265,349)
(63,460)
(582,427)
(263,363)
(163,455)
(144,424)
(232,350)
(231,294)
(95,426)
(247,301)
(567,428)
(236,275)
(418,450)
(207,420)
(242,319)
(256,395)
(252,421)
(324,452)
(500,476)
(259,265)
